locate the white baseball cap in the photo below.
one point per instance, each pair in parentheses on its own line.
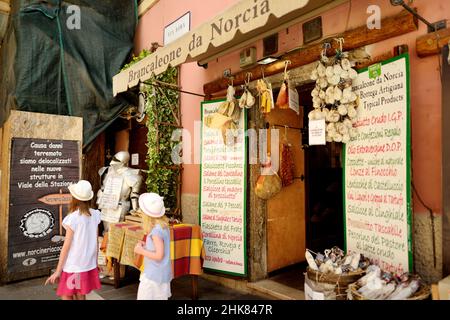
(82,190)
(152,204)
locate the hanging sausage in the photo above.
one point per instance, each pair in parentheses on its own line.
(283,95)
(287,167)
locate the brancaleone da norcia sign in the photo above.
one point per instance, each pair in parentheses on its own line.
(244,17)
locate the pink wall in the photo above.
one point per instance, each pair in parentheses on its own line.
(425,81)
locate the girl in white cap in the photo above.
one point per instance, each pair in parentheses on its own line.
(157,275)
(77,267)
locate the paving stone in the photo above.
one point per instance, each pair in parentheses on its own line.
(34,289)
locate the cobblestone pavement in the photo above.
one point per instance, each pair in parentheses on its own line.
(34,289)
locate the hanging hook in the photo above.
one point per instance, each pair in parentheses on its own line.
(231,81)
(262,73)
(341,42)
(286,64)
(249,76)
(326,46)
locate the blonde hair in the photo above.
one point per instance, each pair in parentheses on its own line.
(148,223)
(81,206)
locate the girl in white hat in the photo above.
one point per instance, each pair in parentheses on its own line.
(77,268)
(157,275)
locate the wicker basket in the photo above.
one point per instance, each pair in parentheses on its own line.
(422,294)
(341,281)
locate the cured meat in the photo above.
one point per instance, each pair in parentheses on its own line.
(268,183)
(287,167)
(283,98)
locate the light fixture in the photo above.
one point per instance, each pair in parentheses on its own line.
(402,3)
(268,60)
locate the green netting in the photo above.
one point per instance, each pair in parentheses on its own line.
(48,67)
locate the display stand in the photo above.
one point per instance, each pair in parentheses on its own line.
(187,259)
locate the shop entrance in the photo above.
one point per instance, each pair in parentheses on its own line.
(308,213)
(324,203)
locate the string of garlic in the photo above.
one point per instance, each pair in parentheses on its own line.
(334,99)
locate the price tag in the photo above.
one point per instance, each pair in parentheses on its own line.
(317,132)
(294,102)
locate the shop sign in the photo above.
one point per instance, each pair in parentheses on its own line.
(135,159)
(377,176)
(223,181)
(217,34)
(177,28)
(41,170)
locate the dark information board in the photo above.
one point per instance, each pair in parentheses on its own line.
(41,171)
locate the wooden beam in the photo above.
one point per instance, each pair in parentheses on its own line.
(382,57)
(256,212)
(432,43)
(393,26)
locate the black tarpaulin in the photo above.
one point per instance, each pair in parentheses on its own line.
(48,65)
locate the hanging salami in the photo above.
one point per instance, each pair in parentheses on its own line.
(287,167)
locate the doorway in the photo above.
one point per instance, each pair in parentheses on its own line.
(310,214)
(324,193)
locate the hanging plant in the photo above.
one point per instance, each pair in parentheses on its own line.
(333,97)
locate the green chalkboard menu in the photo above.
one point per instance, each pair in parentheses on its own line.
(41,171)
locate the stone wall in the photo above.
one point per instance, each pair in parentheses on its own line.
(423,247)
(190,207)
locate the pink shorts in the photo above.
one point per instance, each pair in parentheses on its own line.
(78,283)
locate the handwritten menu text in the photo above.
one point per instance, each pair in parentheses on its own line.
(377,170)
(222,203)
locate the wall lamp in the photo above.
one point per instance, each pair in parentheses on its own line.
(268,60)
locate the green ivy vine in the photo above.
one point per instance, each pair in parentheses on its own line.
(144,53)
(161,105)
(163,174)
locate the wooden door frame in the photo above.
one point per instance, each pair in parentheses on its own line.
(445,118)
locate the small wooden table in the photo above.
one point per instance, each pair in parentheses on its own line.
(186,242)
